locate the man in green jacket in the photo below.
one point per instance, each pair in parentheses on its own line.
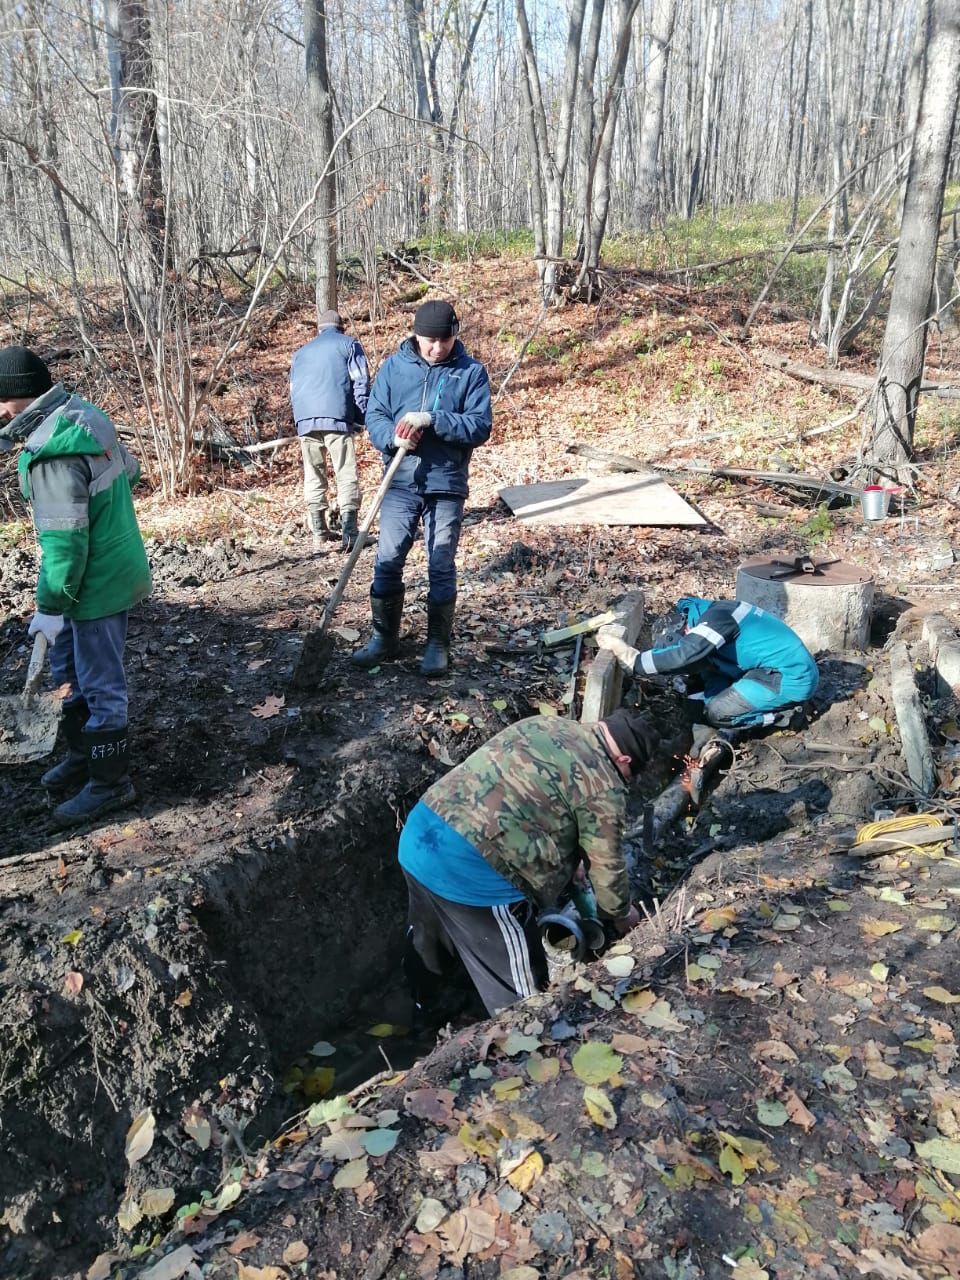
(93,568)
(500,837)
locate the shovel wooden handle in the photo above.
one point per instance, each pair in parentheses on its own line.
(35,668)
(402,451)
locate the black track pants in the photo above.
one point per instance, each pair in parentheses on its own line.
(500,946)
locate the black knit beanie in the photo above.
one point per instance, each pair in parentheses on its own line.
(436,319)
(634,735)
(23,375)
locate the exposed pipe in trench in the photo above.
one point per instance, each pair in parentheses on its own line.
(684,794)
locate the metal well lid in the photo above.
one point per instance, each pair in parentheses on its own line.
(804,571)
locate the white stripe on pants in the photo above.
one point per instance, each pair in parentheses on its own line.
(515,941)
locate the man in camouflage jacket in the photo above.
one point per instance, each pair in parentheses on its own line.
(77,476)
(500,837)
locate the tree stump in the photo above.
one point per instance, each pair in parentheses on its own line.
(828,609)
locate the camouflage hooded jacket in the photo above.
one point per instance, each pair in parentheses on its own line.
(535,800)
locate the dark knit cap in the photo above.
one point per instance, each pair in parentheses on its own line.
(327,318)
(22,374)
(634,735)
(436,319)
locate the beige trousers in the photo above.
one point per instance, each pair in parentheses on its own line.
(343,455)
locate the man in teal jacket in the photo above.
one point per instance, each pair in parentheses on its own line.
(93,568)
(755,670)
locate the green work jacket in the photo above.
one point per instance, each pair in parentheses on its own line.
(77,476)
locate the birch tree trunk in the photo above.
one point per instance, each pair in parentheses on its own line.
(802,113)
(587,125)
(904,341)
(597,193)
(706,107)
(551,156)
(321,118)
(651,123)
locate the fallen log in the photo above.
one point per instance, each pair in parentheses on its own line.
(262,447)
(693,267)
(792,479)
(837,379)
(622,461)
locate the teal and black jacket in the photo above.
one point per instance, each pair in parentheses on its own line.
(730,638)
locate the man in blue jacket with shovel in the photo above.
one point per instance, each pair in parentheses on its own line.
(434,396)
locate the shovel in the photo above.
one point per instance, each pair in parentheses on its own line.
(28,720)
(319,649)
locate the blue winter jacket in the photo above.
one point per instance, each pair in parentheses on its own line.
(732,637)
(329,383)
(455,392)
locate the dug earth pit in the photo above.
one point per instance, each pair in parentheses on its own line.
(163,971)
(184,994)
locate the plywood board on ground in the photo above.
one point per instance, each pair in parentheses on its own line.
(635,499)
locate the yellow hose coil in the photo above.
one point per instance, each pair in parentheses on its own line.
(873,829)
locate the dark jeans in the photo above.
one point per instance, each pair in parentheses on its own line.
(88,656)
(401,513)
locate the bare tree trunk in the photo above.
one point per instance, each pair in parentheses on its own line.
(597,193)
(802,112)
(137,144)
(944,304)
(904,342)
(551,158)
(706,107)
(587,124)
(651,125)
(454,124)
(321,111)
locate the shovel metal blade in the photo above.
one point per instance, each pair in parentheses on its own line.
(28,727)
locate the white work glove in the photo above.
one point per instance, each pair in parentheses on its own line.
(624,653)
(49,624)
(410,428)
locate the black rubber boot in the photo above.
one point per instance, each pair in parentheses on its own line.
(436,656)
(348,531)
(71,771)
(321,529)
(109,786)
(384,644)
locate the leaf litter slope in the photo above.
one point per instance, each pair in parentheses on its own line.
(769,1085)
(763,1080)
(638,377)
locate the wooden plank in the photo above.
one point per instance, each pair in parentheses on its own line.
(910,721)
(601,500)
(604,684)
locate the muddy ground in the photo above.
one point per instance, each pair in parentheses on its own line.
(181,961)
